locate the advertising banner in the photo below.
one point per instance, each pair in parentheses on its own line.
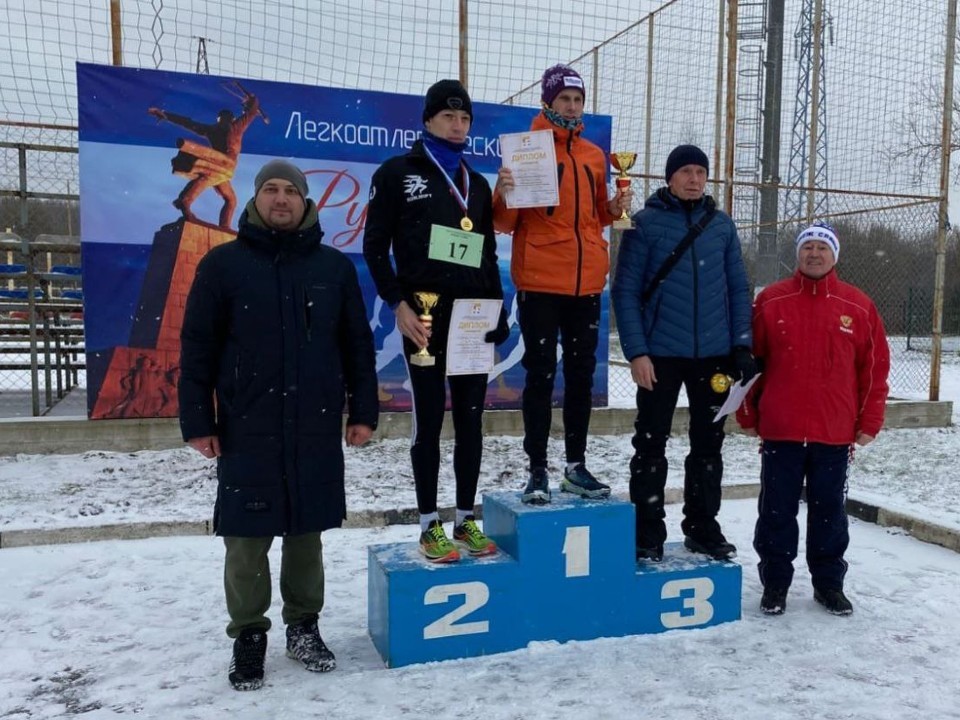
(167,164)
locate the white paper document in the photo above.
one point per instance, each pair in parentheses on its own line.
(470,321)
(533,161)
(738,391)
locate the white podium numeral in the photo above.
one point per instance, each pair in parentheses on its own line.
(702,610)
(475,596)
(576,546)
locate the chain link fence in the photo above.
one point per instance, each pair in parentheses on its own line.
(853,137)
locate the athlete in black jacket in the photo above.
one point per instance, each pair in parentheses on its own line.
(412,197)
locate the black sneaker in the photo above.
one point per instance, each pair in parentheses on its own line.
(651,554)
(774,601)
(305,644)
(716,547)
(835,602)
(581,481)
(246,667)
(537,491)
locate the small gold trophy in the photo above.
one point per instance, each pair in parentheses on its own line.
(623,161)
(427,301)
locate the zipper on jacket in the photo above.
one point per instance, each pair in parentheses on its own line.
(593,190)
(696,291)
(307,303)
(576,214)
(553,208)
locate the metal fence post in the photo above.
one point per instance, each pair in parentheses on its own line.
(942,219)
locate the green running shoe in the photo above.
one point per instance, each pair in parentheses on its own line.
(468,535)
(436,546)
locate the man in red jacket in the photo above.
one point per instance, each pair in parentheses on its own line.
(824,387)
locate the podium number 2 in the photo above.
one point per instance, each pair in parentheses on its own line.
(475,596)
(697,601)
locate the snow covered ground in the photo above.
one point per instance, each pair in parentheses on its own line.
(114,628)
(122,628)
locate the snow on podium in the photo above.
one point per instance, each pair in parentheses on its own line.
(565,571)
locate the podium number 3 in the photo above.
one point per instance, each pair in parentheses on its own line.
(697,601)
(475,596)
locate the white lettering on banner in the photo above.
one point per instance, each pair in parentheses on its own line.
(344,133)
(482,146)
(324,131)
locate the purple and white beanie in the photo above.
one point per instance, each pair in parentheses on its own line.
(558,78)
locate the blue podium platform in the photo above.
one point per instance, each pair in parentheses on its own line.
(565,571)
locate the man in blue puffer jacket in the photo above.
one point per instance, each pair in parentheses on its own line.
(692,330)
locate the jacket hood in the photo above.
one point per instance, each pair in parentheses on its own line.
(302,240)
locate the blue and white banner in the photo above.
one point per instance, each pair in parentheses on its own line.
(152,141)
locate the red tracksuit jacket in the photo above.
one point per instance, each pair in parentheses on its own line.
(825,362)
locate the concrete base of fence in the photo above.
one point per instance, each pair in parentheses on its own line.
(67,435)
(923,530)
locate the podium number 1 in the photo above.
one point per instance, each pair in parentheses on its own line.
(576,548)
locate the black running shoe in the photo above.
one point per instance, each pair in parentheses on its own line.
(581,481)
(774,601)
(537,491)
(834,601)
(246,667)
(716,547)
(651,554)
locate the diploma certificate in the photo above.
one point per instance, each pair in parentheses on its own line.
(533,161)
(470,321)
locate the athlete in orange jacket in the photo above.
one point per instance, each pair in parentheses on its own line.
(559,264)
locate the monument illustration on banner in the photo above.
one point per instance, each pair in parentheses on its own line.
(141,377)
(565,571)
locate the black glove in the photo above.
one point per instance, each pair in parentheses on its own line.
(500,335)
(744,364)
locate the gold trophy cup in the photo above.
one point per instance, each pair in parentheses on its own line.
(623,161)
(426,301)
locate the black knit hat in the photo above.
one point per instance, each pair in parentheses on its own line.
(446,95)
(686,155)
(282,170)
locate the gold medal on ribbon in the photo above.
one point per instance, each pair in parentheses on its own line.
(720,383)
(466,224)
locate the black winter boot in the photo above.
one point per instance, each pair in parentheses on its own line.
(246,667)
(305,644)
(833,600)
(774,601)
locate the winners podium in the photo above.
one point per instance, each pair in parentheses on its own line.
(565,571)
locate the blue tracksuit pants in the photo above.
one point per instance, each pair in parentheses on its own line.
(784,468)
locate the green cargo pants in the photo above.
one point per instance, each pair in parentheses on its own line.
(246,580)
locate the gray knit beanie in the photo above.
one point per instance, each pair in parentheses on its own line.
(282,170)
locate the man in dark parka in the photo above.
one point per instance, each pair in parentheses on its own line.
(275,343)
